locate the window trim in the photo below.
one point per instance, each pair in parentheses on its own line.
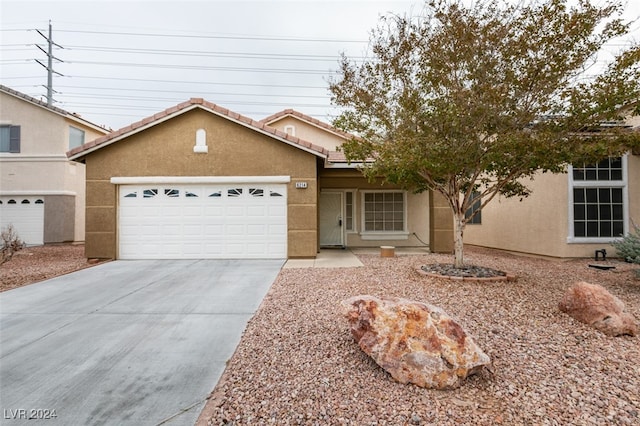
(15,139)
(571,238)
(383,235)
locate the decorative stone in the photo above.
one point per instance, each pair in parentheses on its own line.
(592,304)
(415,342)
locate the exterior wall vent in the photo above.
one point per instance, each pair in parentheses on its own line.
(201,142)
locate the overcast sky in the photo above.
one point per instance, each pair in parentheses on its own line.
(125,60)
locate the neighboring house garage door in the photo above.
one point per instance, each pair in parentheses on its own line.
(202,221)
(26,214)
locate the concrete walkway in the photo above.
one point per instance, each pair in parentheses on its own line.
(327,258)
(126,342)
(346,258)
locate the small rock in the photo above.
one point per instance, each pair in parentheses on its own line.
(594,305)
(415,342)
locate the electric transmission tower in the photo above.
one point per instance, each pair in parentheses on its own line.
(49,66)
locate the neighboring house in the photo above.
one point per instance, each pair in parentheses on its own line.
(200,181)
(42,192)
(567,215)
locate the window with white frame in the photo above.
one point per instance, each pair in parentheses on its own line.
(598,200)
(349,211)
(384,211)
(76,137)
(10,138)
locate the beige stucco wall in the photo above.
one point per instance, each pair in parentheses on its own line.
(540,223)
(167,150)
(310,132)
(42,166)
(417,208)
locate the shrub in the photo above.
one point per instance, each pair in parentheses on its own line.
(11,243)
(629,246)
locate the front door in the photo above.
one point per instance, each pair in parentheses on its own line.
(331,219)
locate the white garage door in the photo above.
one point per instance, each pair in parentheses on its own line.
(26,214)
(206,221)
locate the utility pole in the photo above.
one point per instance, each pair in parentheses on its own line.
(49,66)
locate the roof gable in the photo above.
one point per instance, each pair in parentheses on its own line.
(184,107)
(308,119)
(53,109)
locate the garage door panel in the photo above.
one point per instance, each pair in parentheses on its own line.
(277,229)
(256,230)
(192,249)
(171,249)
(235,230)
(171,230)
(259,211)
(192,231)
(236,211)
(202,221)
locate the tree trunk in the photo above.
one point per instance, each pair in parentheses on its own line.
(458,245)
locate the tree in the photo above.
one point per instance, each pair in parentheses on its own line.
(476,100)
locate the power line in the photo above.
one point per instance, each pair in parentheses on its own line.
(180,92)
(147,107)
(194,82)
(200,53)
(222,37)
(203,68)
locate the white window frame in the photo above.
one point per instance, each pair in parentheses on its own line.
(354,211)
(571,238)
(383,235)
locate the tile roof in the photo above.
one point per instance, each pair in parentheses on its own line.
(52,108)
(293,113)
(187,106)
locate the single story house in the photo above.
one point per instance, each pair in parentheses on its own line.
(42,192)
(200,181)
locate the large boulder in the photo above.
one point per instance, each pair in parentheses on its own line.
(592,304)
(415,342)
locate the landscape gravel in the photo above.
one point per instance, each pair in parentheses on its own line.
(37,263)
(297,362)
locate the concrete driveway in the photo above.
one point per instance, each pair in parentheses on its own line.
(126,342)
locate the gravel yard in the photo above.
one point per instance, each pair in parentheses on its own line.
(33,264)
(298,364)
